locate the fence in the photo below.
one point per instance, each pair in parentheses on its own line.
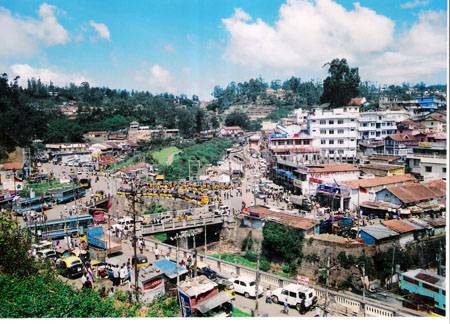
(352,303)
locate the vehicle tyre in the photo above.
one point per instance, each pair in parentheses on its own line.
(275,299)
(299,307)
(246,295)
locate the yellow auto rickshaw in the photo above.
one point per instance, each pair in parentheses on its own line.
(141,260)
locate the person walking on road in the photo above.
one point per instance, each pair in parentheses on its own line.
(116,278)
(285,306)
(268,296)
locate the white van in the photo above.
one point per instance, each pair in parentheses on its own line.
(301,297)
(246,286)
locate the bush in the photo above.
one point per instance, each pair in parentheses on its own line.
(286,268)
(264,265)
(346,261)
(251,256)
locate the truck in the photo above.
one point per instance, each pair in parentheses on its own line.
(96,237)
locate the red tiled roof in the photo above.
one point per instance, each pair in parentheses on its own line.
(330,168)
(399,226)
(415,192)
(401,137)
(283,218)
(437,186)
(437,117)
(379,181)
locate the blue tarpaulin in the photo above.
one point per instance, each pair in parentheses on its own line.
(169,268)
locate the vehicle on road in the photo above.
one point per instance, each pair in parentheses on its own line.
(246,286)
(226,285)
(141,261)
(301,297)
(49,254)
(205,269)
(222,211)
(70,267)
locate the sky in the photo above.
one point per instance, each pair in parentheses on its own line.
(189,46)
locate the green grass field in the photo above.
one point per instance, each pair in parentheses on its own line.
(235,259)
(166,155)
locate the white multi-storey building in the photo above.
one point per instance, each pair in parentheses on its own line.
(376,125)
(335,131)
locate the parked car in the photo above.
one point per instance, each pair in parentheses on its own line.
(49,254)
(301,297)
(204,269)
(246,286)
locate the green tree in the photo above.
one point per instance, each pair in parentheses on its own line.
(282,243)
(341,85)
(237,118)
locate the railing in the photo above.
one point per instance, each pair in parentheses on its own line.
(351,302)
(174,224)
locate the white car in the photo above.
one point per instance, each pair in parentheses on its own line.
(246,286)
(301,297)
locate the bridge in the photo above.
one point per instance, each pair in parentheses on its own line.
(176,225)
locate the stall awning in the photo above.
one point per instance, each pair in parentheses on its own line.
(213,302)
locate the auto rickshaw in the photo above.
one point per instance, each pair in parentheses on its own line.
(70,267)
(141,261)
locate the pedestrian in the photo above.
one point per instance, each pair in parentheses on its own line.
(286,306)
(116,278)
(123,274)
(140,246)
(268,296)
(156,251)
(111,292)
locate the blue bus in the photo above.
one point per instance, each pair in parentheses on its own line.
(64,196)
(37,204)
(60,228)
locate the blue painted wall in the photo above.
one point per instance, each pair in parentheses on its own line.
(385,195)
(438,297)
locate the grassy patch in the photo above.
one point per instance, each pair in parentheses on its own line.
(238,313)
(232,258)
(161,237)
(166,155)
(44,187)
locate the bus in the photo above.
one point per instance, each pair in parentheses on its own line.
(37,204)
(64,196)
(60,228)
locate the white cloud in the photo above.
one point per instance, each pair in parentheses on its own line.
(101,29)
(309,33)
(417,55)
(413,4)
(46,75)
(156,79)
(23,35)
(168,48)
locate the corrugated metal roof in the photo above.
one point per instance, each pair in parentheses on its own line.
(379,231)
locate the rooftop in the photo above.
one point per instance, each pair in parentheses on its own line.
(379,181)
(330,168)
(197,285)
(399,226)
(284,218)
(416,192)
(387,158)
(426,276)
(381,166)
(379,231)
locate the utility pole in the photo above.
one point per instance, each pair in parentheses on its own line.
(325,313)
(393,265)
(258,252)
(206,243)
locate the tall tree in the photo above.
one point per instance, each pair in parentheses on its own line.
(341,85)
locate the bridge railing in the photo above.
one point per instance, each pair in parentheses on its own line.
(351,302)
(175,224)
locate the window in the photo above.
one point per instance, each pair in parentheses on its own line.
(340,131)
(352,119)
(340,121)
(331,151)
(352,129)
(331,142)
(323,131)
(352,139)
(323,142)
(430,287)
(444,170)
(293,294)
(428,169)
(410,280)
(284,292)
(364,124)
(331,132)
(331,122)
(341,141)
(323,122)
(341,151)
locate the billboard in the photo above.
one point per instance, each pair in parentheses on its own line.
(185,303)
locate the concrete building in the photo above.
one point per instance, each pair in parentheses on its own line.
(382,169)
(376,125)
(435,122)
(309,177)
(363,190)
(427,284)
(335,131)
(231,131)
(427,167)
(399,144)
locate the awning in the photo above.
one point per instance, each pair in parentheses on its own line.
(213,302)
